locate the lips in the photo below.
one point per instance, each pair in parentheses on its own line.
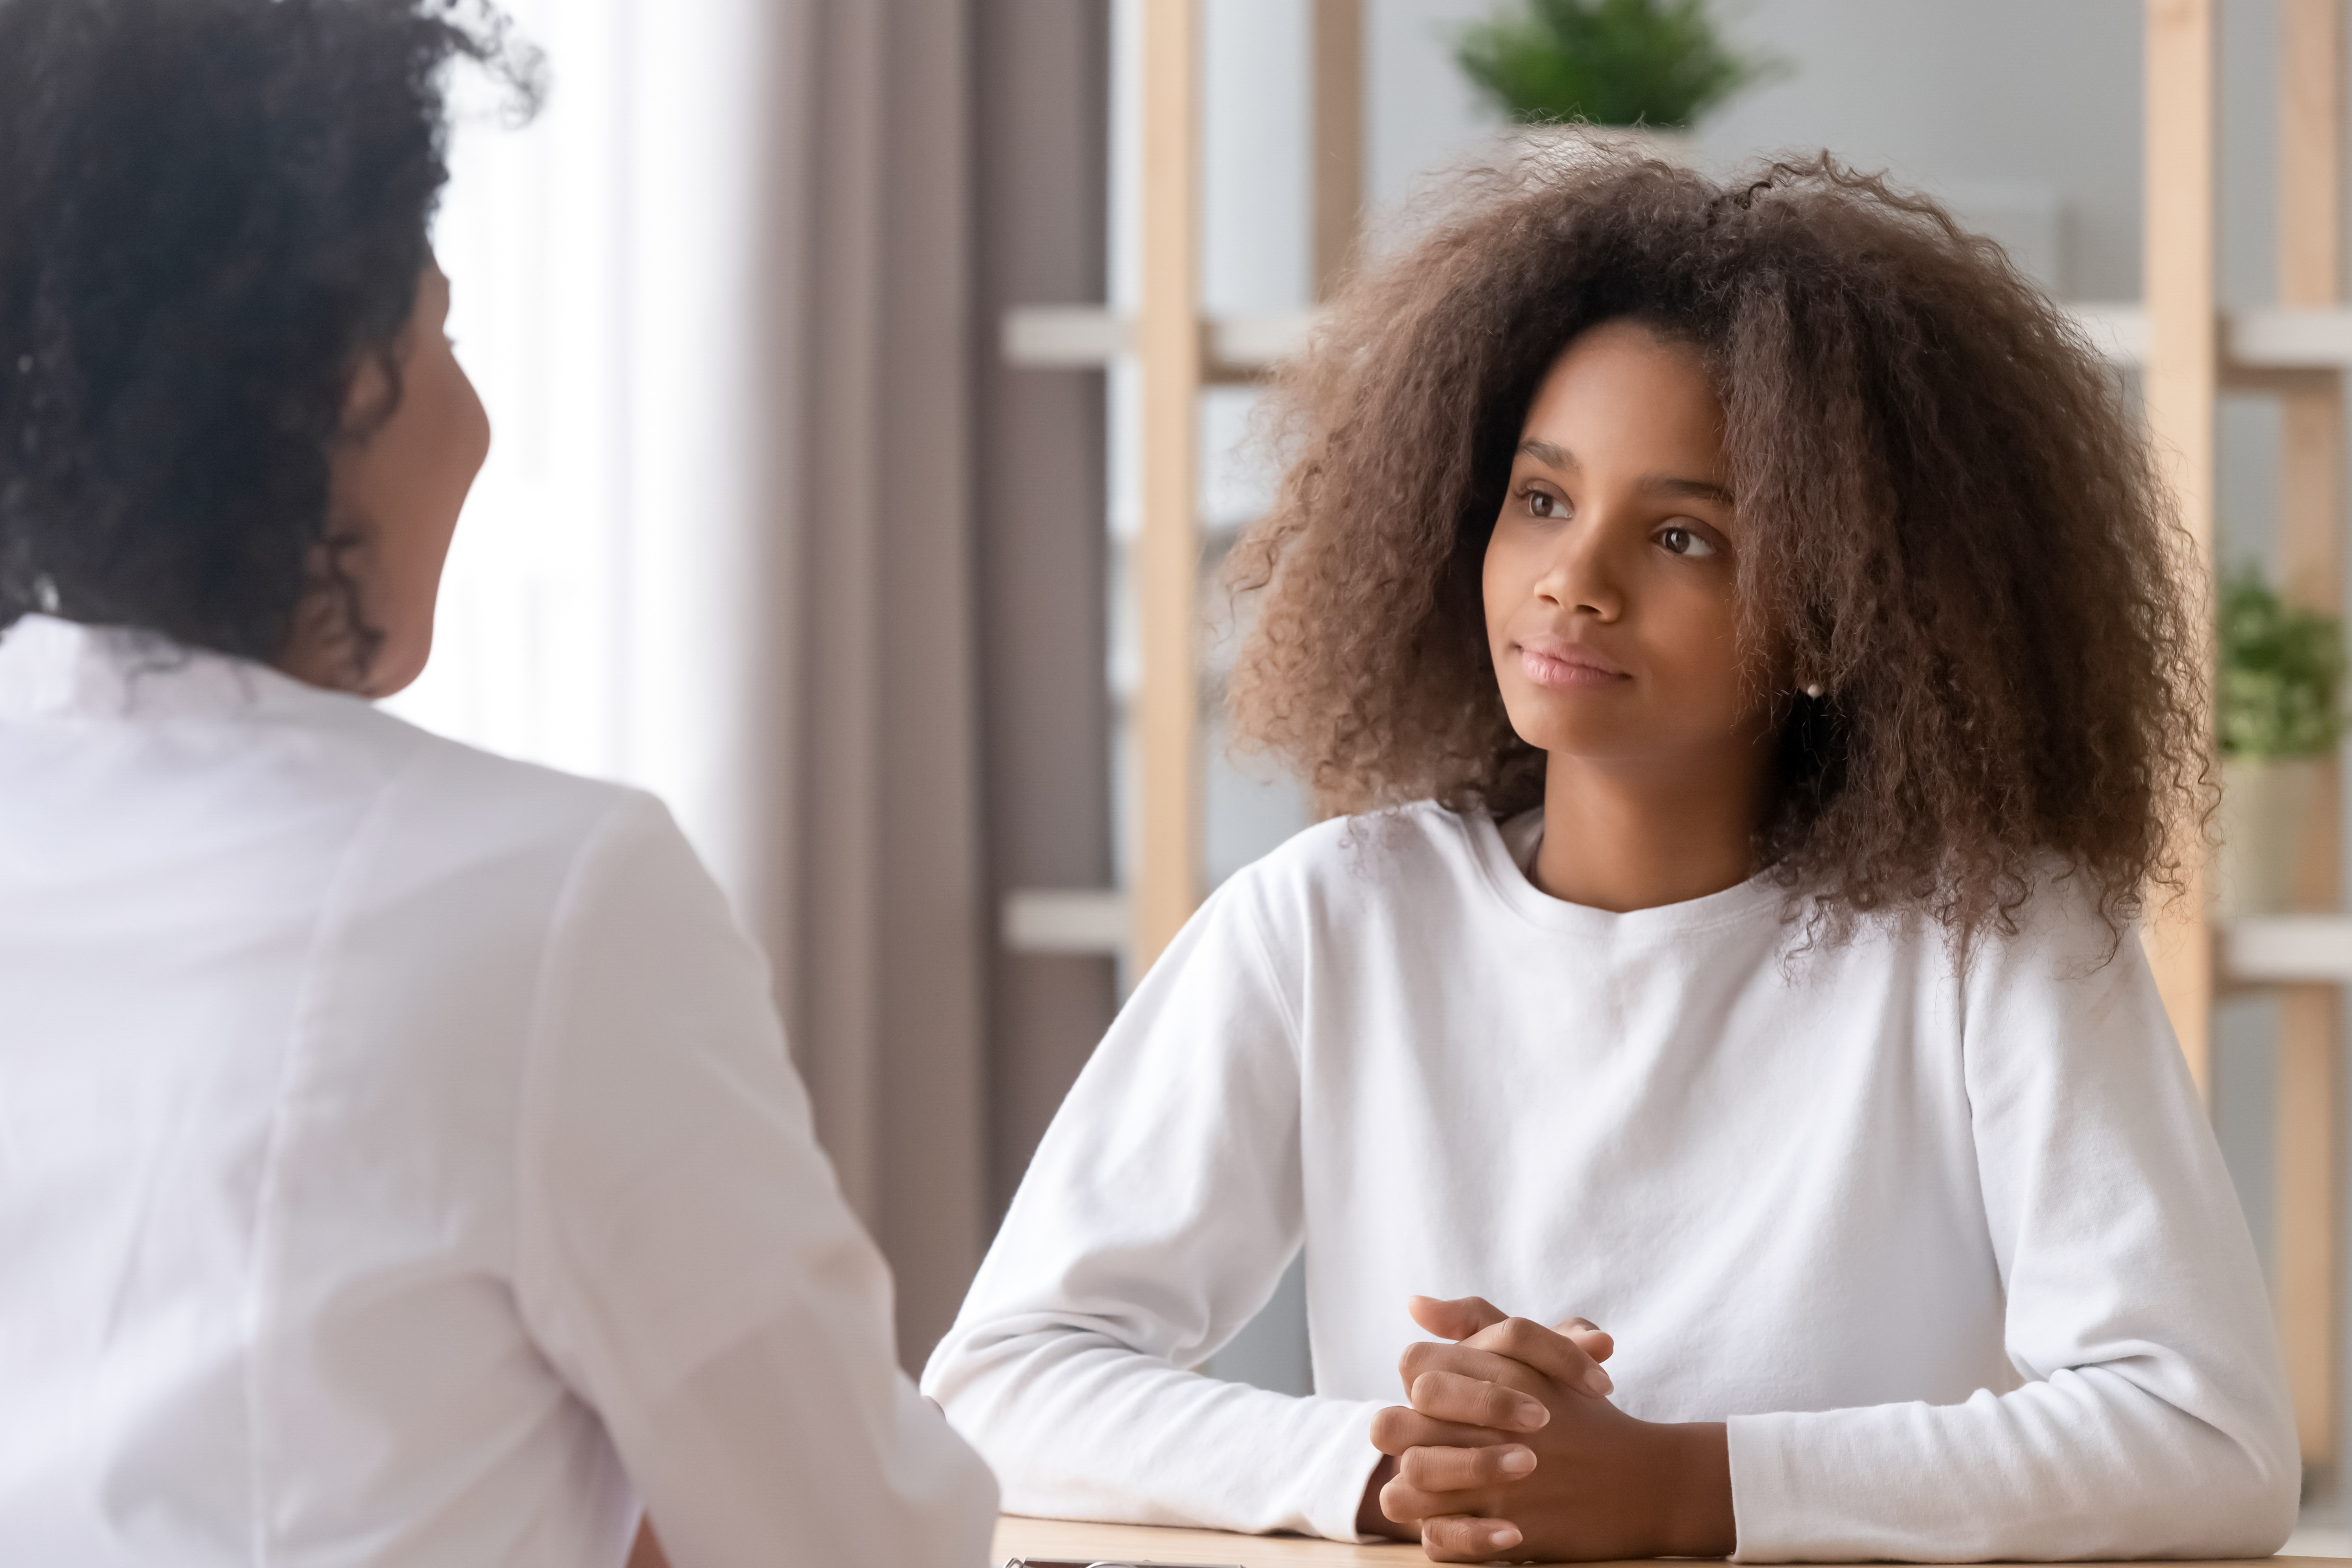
(1558,663)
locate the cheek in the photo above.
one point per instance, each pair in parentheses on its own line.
(1700,645)
(464,443)
(1502,584)
(430,464)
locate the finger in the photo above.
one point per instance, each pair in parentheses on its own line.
(1471,1360)
(1553,1354)
(1465,1538)
(1590,1338)
(1399,1426)
(1477,1402)
(1455,1320)
(1405,1503)
(1449,1469)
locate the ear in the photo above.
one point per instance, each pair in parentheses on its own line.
(369,397)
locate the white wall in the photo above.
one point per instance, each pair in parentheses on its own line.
(2005,106)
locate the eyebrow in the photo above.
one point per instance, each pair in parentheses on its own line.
(1558,457)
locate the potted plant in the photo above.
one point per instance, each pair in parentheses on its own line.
(2280,715)
(1646,69)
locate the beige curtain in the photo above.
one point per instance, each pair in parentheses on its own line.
(801,592)
(885,926)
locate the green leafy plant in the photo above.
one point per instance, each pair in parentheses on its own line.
(2281,674)
(1659,63)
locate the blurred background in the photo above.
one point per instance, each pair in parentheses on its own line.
(872,387)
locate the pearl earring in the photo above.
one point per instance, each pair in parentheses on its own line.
(1814,691)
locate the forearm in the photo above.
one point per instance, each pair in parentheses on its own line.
(1693,1498)
(2085,1466)
(1370,1520)
(1078,1427)
(757,1455)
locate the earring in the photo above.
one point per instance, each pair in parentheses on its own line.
(1814,691)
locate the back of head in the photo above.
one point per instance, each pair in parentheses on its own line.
(211,211)
(1949,525)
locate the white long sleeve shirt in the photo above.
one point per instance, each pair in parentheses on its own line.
(1955,1258)
(400,1162)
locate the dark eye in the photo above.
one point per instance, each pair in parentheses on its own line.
(1543,503)
(1683,541)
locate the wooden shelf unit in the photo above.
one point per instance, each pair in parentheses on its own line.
(1178,352)
(2298,350)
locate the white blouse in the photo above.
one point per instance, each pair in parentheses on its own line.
(400,1162)
(1953,1253)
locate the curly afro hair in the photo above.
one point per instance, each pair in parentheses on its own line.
(1949,521)
(211,211)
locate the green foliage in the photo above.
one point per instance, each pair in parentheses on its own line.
(2282,670)
(1612,62)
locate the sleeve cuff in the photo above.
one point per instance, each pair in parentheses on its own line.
(1763,1484)
(1342,1467)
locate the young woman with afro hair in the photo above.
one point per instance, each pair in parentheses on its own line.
(1748,662)
(400,1160)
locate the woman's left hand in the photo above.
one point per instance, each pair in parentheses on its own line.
(1511,1448)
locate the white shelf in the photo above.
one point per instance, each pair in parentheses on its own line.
(2285,949)
(2262,950)
(1065,920)
(1064,337)
(1078,337)
(2281,339)
(1070,337)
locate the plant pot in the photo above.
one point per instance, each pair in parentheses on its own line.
(1533,148)
(2265,804)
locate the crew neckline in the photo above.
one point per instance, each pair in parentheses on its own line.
(1506,853)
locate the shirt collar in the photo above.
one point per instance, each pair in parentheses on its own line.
(60,668)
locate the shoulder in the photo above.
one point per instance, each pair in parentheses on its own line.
(1398,847)
(510,851)
(472,800)
(2054,929)
(2058,933)
(318,745)
(1352,875)
(2063,984)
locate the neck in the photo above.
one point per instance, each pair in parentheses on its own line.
(323,648)
(1625,838)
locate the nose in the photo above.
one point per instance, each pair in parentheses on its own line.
(1582,577)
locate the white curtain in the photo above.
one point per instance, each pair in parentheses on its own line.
(717,300)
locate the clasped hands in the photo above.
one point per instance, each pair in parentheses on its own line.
(1511,1448)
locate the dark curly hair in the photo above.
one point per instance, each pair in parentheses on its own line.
(211,211)
(1948,520)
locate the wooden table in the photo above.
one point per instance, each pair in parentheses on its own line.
(1062,1538)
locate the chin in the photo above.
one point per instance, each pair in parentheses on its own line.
(396,666)
(1552,722)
